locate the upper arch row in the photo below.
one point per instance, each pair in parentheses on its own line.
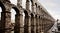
(6,6)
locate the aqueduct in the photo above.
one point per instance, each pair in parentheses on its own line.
(37,20)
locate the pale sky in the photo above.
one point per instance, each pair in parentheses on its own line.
(52,6)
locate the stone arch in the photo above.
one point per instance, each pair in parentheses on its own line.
(2,6)
(16,9)
(26,21)
(17,20)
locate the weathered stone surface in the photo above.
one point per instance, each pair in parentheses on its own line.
(27,24)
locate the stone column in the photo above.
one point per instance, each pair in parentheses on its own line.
(43,25)
(41,19)
(26,24)
(40,24)
(37,24)
(29,27)
(33,6)
(19,27)
(19,3)
(32,24)
(28,4)
(5,22)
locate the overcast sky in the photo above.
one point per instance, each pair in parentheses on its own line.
(52,6)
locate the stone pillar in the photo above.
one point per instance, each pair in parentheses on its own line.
(29,27)
(5,22)
(34,24)
(37,24)
(40,24)
(26,24)
(43,25)
(28,4)
(33,6)
(19,3)
(19,27)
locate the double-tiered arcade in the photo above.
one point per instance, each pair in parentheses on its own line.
(36,20)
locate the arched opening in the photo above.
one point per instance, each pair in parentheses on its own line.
(15,23)
(14,11)
(26,19)
(2,8)
(13,15)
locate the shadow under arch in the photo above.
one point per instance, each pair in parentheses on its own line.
(32,15)
(26,21)
(2,6)
(16,10)
(26,13)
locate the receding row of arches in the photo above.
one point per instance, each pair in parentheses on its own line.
(24,23)
(17,16)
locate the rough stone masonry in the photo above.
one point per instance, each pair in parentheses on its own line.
(37,20)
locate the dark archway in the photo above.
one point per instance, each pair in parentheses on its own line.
(26,19)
